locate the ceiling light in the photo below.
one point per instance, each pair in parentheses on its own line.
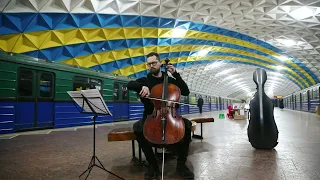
(287,42)
(225,72)
(280,67)
(178,33)
(235,80)
(269,93)
(203,52)
(283,58)
(301,13)
(275,74)
(212,65)
(250,93)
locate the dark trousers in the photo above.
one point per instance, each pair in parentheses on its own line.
(182,147)
(200,109)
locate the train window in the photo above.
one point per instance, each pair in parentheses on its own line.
(84,83)
(184,99)
(124,92)
(138,97)
(45,89)
(25,83)
(192,99)
(95,84)
(116,91)
(316,93)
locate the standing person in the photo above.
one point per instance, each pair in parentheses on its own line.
(143,87)
(200,103)
(281,105)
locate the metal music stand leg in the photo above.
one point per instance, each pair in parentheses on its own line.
(94,157)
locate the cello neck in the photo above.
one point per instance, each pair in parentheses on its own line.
(165,81)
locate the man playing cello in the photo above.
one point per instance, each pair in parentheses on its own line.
(143,86)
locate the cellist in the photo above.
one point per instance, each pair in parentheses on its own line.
(143,87)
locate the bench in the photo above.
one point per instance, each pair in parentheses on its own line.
(200,120)
(126,134)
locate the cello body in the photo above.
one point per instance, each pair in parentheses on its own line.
(164,126)
(262,128)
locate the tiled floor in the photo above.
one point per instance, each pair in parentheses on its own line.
(224,153)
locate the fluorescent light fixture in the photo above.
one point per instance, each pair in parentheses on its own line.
(225,72)
(179,33)
(301,13)
(203,52)
(273,78)
(270,93)
(283,58)
(213,65)
(280,67)
(287,42)
(234,80)
(230,77)
(274,73)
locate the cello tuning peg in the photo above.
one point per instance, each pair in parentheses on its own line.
(167,60)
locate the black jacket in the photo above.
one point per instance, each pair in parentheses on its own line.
(200,102)
(150,81)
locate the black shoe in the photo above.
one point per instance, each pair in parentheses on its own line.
(151,174)
(184,172)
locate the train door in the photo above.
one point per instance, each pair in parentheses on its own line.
(314,99)
(217,103)
(308,100)
(35,95)
(227,103)
(120,102)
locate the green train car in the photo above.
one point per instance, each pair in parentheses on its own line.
(33,95)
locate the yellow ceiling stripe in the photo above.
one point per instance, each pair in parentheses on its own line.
(131,52)
(82,35)
(7,42)
(141,67)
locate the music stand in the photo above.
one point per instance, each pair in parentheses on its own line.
(91,102)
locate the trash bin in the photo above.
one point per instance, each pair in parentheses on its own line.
(221,116)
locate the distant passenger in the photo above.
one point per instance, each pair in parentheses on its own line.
(200,103)
(281,103)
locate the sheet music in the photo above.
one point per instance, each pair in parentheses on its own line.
(76,96)
(94,97)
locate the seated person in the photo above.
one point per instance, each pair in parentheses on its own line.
(143,86)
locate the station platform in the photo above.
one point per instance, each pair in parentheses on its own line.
(224,153)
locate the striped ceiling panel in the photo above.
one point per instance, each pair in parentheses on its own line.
(81,33)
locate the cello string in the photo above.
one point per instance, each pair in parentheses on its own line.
(170,101)
(162,161)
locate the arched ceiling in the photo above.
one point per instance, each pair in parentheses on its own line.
(215,44)
(231,80)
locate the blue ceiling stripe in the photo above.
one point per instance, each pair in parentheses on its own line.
(20,20)
(75,20)
(124,62)
(6,26)
(38,23)
(143,73)
(104,46)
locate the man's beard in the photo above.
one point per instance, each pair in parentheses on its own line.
(154,71)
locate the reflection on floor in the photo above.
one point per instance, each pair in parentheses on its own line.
(224,153)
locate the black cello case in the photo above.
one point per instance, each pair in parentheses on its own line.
(262,129)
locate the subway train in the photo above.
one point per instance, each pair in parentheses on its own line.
(34,95)
(305,100)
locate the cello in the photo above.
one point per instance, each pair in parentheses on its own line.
(262,129)
(164,126)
